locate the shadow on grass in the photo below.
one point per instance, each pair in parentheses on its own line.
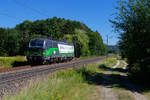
(112,80)
(19,63)
(25,63)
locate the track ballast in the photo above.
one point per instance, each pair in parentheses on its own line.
(13,81)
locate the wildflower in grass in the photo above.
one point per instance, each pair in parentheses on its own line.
(59,97)
(62,71)
(70,69)
(46,93)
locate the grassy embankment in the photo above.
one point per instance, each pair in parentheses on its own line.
(64,85)
(8,62)
(79,84)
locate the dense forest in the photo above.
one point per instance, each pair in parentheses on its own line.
(14,41)
(132,21)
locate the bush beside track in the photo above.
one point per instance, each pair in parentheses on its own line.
(8,62)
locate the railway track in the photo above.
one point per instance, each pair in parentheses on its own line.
(12,81)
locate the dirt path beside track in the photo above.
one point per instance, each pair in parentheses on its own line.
(116,85)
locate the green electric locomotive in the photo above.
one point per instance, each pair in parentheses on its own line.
(46,50)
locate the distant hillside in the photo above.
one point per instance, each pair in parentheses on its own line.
(113,49)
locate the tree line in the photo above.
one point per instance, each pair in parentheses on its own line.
(132,21)
(14,41)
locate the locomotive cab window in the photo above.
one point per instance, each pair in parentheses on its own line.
(48,44)
(55,45)
(36,43)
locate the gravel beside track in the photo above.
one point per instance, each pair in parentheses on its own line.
(11,82)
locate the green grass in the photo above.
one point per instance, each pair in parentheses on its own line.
(121,64)
(110,62)
(71,85)
(63,85)
(8,62)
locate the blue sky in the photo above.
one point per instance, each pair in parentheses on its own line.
(94,13)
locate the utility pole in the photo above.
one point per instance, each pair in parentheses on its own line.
(107,46)
(108,37)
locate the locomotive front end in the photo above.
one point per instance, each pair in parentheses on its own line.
(36,50)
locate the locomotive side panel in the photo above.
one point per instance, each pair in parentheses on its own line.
(66,49)
(47,50)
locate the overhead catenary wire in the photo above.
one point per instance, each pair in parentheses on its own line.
(7,15)
(14,18)
(31,8)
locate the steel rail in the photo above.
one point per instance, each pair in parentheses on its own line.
(8,79)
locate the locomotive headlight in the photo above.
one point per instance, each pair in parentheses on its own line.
(44,53)
(54,52)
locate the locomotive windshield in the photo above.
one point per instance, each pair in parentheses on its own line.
(36,43)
